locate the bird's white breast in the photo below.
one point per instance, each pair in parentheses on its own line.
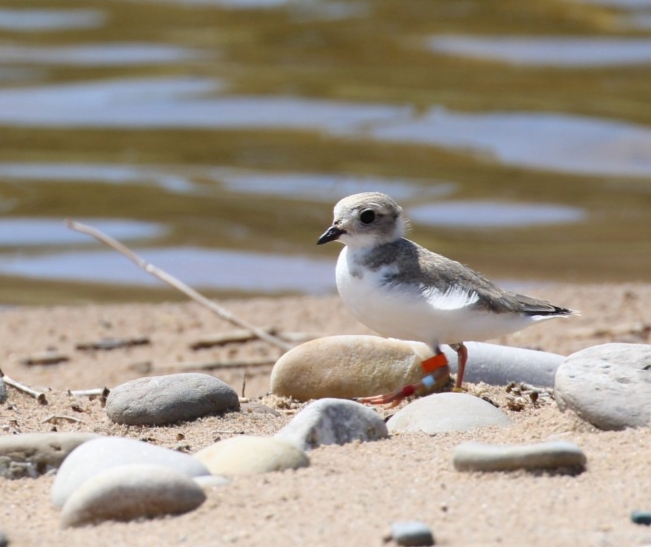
(408,312)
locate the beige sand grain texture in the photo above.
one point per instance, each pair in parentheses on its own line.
(349,495)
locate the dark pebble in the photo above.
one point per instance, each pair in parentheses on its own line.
(641,517)
(413,533)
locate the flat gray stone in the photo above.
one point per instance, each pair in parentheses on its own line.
(499,365)
(447,412)
(247,455)
(98,455)
(3,392)
(347,367)
(412,533)
(474,456)
(34,454)
(607,385)
(129,492)
(333,421)
(161,400)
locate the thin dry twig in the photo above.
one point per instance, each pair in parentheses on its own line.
(101,392)
(96,392)
(109,344)
(177,284)
(38,395)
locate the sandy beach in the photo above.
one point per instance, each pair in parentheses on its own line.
(350,494)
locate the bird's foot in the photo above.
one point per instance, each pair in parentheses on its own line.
(438,378)
(392,399)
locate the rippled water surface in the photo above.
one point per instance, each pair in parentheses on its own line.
(215,136)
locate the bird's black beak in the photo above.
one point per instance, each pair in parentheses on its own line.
(331,234)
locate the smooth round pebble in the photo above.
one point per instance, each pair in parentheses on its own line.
(498,365)
(447,412)
(348,366)
(161,400)
(98,455)
(129,492)
(34,454)
(412,533)
(247,455)
(474,456)
(641,517)
(333,421)
(607,385)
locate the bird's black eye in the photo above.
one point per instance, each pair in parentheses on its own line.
(367,216)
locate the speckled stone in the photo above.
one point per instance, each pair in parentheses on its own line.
(607,385)
(347,367)
(333,421)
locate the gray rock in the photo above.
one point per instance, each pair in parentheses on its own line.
(34,454)
(98,455)
(413,533)
(3,392)
(161,400)
(247,455)
(129,492)
(474,456)
(607,385)
(641,517)
(447,412)
(347,367)
(498,365)
(333,421)
(208,482)
(4,540)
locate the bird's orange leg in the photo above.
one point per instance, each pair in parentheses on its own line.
(462,359)
(437,372)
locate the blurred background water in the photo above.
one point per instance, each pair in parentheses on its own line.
(214,137)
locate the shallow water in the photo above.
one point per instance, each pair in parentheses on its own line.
(215,136)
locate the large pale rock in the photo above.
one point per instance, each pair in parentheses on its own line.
(498,365)
(129,492)
(347,367)
(33,454)
(333,421)
(607,385)
(160,400)
(474,456)
(447,412)
(246,455)
(98,455)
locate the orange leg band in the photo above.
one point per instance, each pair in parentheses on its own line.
(434,363)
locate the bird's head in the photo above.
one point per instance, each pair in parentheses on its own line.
(365,220)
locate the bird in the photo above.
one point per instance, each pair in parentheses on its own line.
(402,290)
